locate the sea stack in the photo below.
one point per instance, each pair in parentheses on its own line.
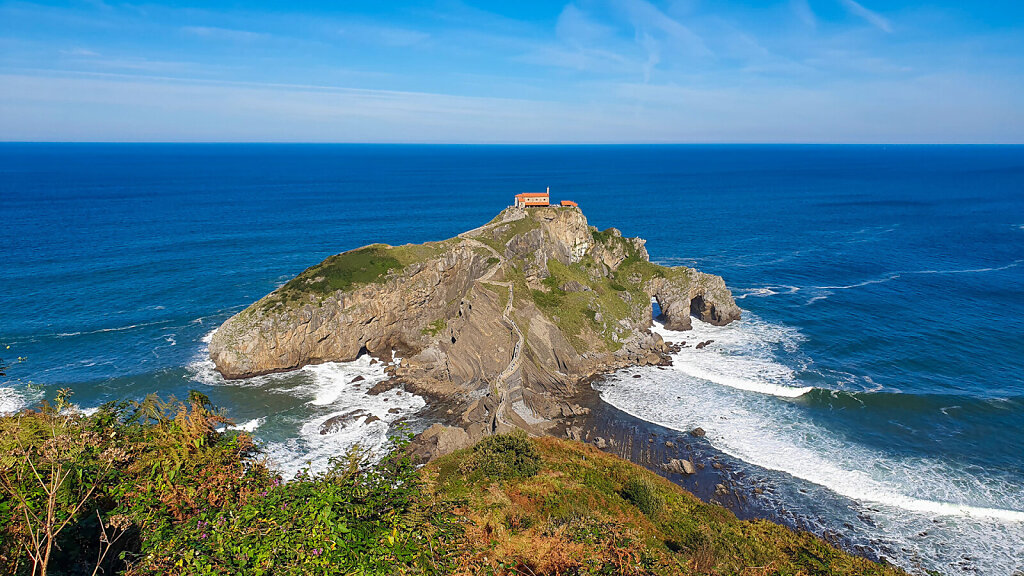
(502,322)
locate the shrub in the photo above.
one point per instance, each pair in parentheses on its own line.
(507,456)
(153,488)
(546,300)
(354,519)
(643,494)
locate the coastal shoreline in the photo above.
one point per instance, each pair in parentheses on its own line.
(717,477)
(653,447)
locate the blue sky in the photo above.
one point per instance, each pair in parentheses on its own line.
(533,72)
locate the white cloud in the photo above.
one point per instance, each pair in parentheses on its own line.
(229,34)
(575,27)
(115,107)
(578,58)
(391,36)
(606,71)
(582,44)
(647,18)
(111,107)
(79,53)
(653,55)
(802,10)
(872,17)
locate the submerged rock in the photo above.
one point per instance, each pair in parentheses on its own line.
(337,423)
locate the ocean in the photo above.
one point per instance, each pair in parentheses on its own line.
(876,381)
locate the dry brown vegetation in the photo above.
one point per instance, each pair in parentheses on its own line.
(586,512)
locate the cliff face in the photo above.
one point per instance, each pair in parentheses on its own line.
(274,335)
(580,304)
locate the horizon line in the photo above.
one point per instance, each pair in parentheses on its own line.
(432,143)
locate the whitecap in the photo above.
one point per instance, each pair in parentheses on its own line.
(15,397)
(895,275)
(201,368)
(77,409)
(1013,264)
(765,291)
(883,280)
(116,329)
(741,356)
(11,400)
(247,426)
(760,292)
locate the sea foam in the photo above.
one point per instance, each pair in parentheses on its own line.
(741,393)
(341,414)
(335,411)
(738,358)
(11,400)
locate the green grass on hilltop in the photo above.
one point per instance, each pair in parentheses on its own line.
(575,312)
(367,265)
(500,235)
(342,271)
(616,296)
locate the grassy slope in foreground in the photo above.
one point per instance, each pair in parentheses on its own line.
(587,512)
(176,496)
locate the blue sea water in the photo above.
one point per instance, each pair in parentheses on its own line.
(877,379)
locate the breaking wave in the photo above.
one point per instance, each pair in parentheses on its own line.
(753,408)
(329,410)
(741,359)
(12,400)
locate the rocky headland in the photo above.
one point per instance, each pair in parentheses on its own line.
(501,325)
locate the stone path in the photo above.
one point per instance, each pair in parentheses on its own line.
(504,384)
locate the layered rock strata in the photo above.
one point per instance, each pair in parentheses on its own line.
(580,305)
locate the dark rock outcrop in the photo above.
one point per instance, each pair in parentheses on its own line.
(677,466)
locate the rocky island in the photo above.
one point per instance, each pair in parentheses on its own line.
(501,323)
